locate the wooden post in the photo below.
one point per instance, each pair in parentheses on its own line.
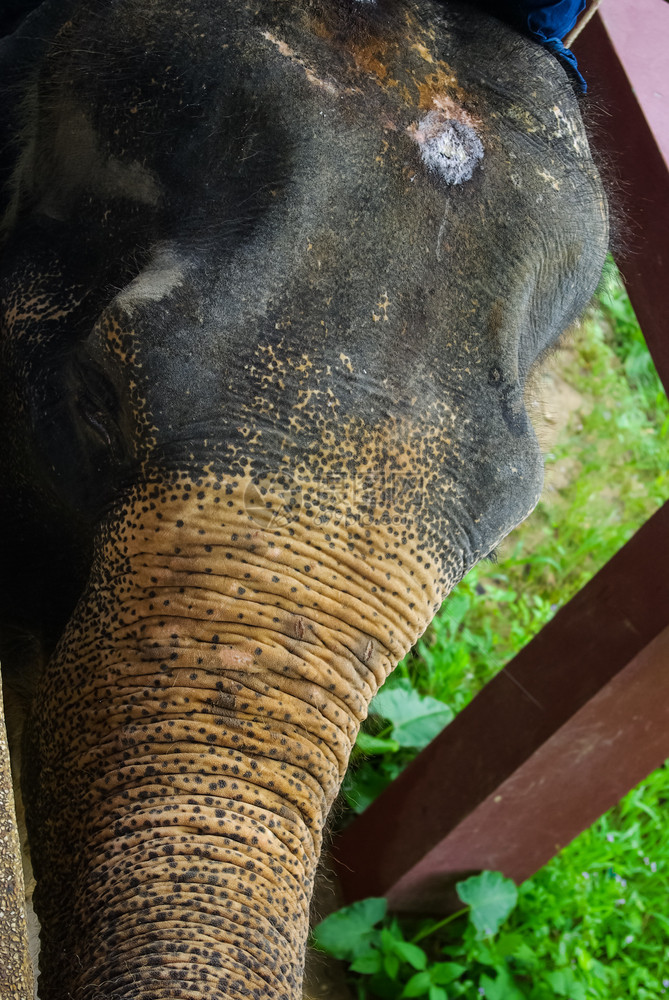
(624,55)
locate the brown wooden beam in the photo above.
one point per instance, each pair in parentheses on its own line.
(623,54)
(578,718)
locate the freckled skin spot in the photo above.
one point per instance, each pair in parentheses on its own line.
(268,316)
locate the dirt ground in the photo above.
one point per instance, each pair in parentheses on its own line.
(551,402)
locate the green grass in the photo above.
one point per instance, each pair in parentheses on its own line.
(600,907)
(594,922)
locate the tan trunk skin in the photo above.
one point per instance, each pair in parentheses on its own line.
(190,736)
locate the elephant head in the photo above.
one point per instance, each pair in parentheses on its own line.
(274,277)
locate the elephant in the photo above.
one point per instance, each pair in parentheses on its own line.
(275,279)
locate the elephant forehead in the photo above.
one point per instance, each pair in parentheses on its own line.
(420,68)
(258,94)
(402,67)
(392,72)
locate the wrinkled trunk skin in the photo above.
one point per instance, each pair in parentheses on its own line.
(189,738)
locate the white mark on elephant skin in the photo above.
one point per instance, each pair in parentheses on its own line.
(312,77)
(571,129)
(158,279)
(545,176)
(442,230)
(448,147)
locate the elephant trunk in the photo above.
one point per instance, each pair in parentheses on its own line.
(188,739)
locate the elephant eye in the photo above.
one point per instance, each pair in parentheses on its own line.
(95,418)
(96,403)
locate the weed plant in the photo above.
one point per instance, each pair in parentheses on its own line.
(593,923)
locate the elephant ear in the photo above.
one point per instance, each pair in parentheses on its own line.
(26,31)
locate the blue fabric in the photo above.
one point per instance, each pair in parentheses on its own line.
(551,20)
(549,23)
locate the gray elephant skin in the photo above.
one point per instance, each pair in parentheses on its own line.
(274,277)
